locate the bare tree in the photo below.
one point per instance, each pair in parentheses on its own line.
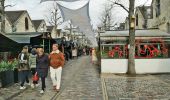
(2,15)
(107,17)
(54,18)
(131,61)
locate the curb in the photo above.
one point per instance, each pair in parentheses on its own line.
(104,90)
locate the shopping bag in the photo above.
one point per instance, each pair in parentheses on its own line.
(35,77)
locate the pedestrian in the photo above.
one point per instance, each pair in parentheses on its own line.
(84,51)
(94,56)
(32,61)
(56,63)
(24,67)
(42,65)
(74,53)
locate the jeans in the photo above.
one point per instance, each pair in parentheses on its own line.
(43,83)
(24,76)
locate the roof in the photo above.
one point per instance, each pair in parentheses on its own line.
(138,33)
(13,16)
(37,23)
(50,28)
(22,37)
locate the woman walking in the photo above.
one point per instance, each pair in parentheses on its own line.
(32,62)
(42,65)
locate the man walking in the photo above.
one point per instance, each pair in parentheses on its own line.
(24,67)
(57,60)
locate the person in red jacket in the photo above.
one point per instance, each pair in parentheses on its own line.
(57,60)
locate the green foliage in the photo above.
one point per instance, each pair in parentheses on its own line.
(8,65)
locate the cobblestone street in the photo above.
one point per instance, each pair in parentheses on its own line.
(81,81)
(142,87)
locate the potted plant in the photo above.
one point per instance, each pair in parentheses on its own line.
(7,72)
(16,73)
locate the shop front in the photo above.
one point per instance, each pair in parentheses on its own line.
(152,52)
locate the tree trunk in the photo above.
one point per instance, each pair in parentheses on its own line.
(131,60)
(2,16)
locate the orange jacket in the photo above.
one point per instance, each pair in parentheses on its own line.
(56,60)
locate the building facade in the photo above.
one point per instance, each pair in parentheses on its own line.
(142,14)
(161,15)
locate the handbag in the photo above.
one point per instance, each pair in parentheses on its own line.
(35,77)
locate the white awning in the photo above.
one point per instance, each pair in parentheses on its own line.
(138,33)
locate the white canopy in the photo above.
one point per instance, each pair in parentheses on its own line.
(77,11)
(71,4)
(80,18)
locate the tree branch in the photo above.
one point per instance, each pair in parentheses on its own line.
(9,6)
(119,4)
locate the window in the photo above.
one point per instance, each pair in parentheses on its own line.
(26,24)
(158,9)
(148,13)
(14,29)
(137,20)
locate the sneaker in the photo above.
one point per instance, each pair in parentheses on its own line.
(42,91)
(22,87)
(32,86)
(36,85)
(28,84)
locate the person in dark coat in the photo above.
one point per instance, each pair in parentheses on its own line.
(42,64)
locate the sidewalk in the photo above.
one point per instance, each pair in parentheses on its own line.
(142,87)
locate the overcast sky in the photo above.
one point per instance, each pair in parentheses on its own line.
(39,10)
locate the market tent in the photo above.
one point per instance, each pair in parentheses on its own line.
(6,44)
(23,38)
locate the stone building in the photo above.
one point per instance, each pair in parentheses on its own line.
(40,25)
(54,34)
(161,15)
(18,21)
(142,14)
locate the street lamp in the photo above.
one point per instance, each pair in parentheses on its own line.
(49,42)
(42,29)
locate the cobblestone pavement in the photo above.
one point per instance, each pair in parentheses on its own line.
(142,87)
(80,81)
